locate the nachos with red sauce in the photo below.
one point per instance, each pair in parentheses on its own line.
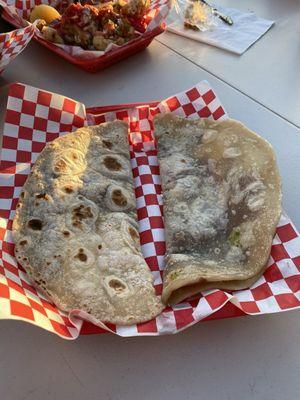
(93,26)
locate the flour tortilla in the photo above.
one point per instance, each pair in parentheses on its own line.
(76,231)
(222,203)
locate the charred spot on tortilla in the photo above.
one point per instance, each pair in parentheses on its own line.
(81,213)
(81,255)
(133,233)
(60,166)
(117,285)
(42,196)
(35,224)
(112,164)
(118,198)
(107,144)
(68,189)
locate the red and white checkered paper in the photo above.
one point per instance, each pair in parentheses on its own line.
(13,43)
(35,117)
(19,10)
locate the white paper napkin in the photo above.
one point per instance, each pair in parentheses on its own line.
(247,28)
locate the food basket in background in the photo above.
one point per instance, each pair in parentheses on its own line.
(16,12)
(13,41)
(35,117)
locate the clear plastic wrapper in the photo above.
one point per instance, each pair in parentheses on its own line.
(196,15)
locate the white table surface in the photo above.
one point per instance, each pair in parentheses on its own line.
(269,71)
(242,358)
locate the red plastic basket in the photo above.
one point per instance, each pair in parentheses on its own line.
(105,60)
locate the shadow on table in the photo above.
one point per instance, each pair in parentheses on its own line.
(220,359)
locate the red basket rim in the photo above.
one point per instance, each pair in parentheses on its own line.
(117,107)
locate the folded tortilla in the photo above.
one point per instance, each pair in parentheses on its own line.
(222,202)
(76,231)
